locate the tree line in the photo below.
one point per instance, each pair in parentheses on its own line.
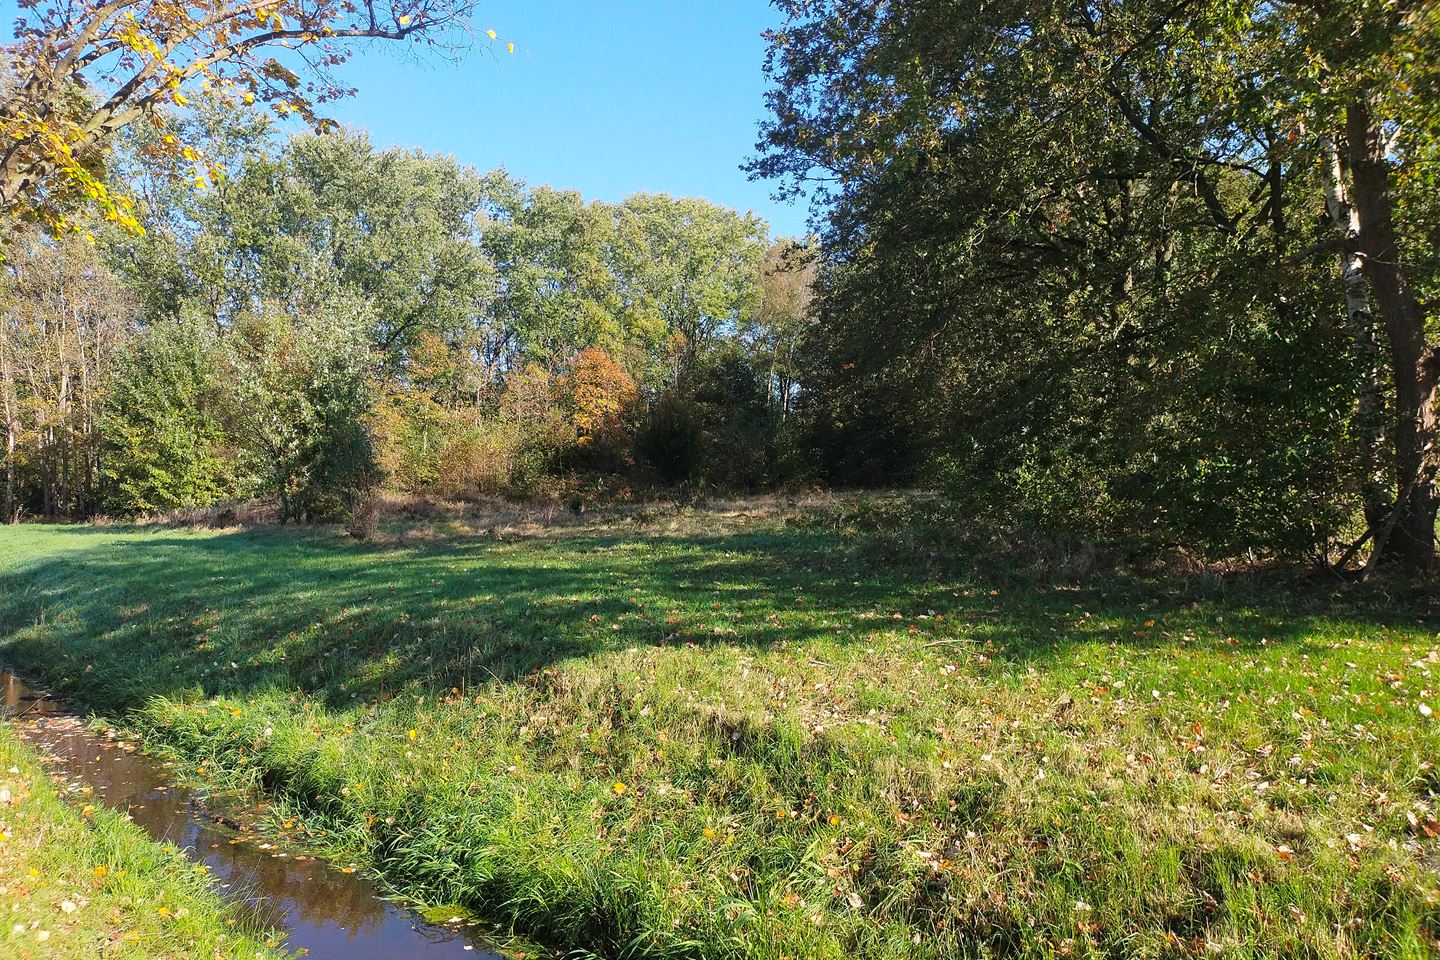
(1152,272)
(330,317)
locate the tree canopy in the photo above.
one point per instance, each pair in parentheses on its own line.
(1098,237)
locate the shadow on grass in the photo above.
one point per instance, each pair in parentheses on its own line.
(116,616)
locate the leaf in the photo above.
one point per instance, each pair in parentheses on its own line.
(492,34)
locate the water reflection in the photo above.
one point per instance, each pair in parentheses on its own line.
(328,913)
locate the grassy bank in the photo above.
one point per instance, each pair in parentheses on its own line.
(714,736)
(81,882)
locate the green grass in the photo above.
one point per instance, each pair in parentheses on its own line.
(778,736)
(80,882)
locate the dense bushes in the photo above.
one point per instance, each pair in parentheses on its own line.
(165,442)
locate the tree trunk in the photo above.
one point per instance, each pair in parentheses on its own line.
(11,513)
(1414,363)
(9,406)
(1370,401)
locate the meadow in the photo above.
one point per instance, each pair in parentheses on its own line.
(781,731)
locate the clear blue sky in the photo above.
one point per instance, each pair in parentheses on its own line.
(605,96)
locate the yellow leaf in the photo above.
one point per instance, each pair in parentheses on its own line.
(404,19)
(491,34)
(510,47)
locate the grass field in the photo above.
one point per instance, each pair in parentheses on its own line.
(782,735)
(79,882)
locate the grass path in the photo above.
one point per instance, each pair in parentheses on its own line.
(767,738)
(77,881)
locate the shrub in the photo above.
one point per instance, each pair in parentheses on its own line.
(542,433)
(602,401)
(162,424)
(672,440)
(478,457)
(740,423)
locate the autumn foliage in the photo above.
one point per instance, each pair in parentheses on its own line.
(604,396)
(79,72)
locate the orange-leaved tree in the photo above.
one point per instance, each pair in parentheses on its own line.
(603,393)
(80,70)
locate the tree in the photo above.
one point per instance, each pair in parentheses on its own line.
(776,329)
(603,397)
(63,316)
(1103,223)
(165,427)
(332,216)
(558,294)
(301,396)
(690,265)
(82,71)
(323,217)
(1377,81)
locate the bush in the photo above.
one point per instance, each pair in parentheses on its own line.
(531,409)
(478,457)
(672,441)
(602,398)
(163,427)
(303,399)
(716,426)
(740,423)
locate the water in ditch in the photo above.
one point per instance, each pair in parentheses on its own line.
(330,914)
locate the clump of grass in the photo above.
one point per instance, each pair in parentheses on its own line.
(83,882)
(675,738)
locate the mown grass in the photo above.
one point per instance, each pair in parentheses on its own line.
(82,883)
(772,737)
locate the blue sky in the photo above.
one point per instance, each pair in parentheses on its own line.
(607,96)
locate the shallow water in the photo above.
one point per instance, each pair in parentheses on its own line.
(331,914)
